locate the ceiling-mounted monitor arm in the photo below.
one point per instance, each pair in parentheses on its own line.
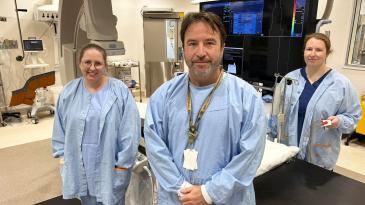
(321,23)
(326,14)
(328,9)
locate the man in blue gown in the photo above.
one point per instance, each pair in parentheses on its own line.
(205,130)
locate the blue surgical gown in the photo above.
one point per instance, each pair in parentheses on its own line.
(230,141)
(335,96)
(117,143)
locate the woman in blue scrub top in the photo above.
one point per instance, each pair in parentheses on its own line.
(317,93)
(96,133)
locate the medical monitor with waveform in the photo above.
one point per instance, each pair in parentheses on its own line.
(260,17)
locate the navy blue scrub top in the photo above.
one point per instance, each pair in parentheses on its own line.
(304,98)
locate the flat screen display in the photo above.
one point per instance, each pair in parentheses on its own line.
(260,17)
(233,60)
(264,37)
(33,45)
(239,17)
(263,57)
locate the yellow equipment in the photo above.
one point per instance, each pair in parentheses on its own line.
(361,124)
(360,128)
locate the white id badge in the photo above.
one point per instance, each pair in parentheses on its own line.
(190,159)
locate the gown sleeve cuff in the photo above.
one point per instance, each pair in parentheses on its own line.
(185,184)
(206,195)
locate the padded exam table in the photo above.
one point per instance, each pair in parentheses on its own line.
(301,183)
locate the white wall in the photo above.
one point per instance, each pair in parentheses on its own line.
(13,72)
(340,31)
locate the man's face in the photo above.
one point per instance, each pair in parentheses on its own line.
(203,53)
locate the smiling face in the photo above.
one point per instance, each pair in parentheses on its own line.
(92,66)
(203,53)
(315,53)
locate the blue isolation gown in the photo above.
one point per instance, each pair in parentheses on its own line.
(335,96)
(117,141)
(230,141)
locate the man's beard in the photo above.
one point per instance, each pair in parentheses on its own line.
(206,73)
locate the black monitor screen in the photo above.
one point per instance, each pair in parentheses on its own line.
(264,37)
(233,60)
(263,57)
(260,17)
(284,18)
(239,17)
(33,45)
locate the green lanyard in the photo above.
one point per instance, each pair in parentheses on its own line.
(193,128)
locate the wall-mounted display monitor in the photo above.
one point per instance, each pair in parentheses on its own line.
(259,58)
(263,57)
(33,45)
(264,37)
(260,17)
(233,60)
(239,17)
